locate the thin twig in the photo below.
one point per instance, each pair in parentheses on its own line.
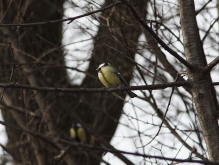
(12,62)
(164,116)
(12,70)
(207,32)
(182,146)
(6,11)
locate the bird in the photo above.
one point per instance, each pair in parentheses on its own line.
(77,132)
(110,77)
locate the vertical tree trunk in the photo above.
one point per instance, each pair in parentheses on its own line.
(99,113)
(201,87)
(31,46)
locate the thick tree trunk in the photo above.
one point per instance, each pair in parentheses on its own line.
(35,49)
(116,43)
(201,84)
(54,113)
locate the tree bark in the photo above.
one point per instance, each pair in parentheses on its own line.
(201,87)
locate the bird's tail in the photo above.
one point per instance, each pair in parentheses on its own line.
(131,94)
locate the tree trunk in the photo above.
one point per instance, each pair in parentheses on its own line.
(201,84)
(36,52)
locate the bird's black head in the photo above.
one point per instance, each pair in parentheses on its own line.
(106,63)
(76,126)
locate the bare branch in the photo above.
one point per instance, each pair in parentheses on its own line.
(92,148)
(203,7)
(161,42)
(211,65)
(12,62)
(164,116)
(71,19)
(207,32)
(88,90)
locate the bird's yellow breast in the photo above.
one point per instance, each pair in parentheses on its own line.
(72,133)
(108,77)
(81,135)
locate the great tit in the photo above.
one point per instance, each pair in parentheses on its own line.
(110,77)
(77,132)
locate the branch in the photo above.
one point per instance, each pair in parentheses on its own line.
(203,7)
(88,90)
(63,20)
(33,79)
(161,42)
(33,133)
(138,154)
(211,65)
(19,110)
(207,32)
(163,120)
(12,62)
(160,55)
(215,83)
(88,147)
(172,129)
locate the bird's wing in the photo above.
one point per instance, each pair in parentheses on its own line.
(72,133)
(122,78)
(81,135)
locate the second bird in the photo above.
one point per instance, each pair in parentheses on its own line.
(77,132)
(110,77)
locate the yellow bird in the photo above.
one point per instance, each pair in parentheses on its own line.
(110,77)
(77,132)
